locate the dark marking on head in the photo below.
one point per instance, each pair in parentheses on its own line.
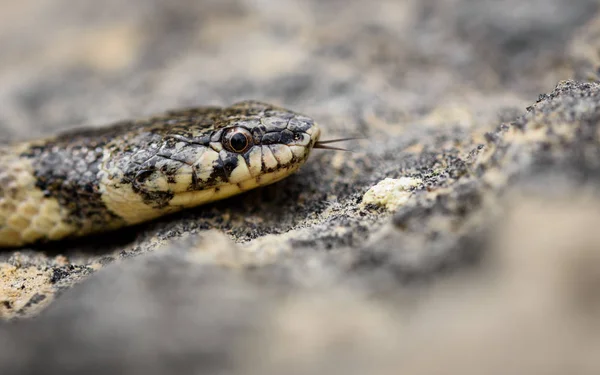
(300,124)
(194,184)
(271,138)
(217,175)
(286,137)
(230,163)
(246,155)
(140,177)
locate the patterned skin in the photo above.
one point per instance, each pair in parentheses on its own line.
(89,181)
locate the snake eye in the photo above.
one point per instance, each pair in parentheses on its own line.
(237,140)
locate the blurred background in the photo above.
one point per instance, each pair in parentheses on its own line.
(64,64)
(315,282)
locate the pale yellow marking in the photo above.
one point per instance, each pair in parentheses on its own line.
(217,146)
(268,159)
(59,231)
(50,210)
(269,178)
(5,207)
(297,151)
(226,190)
(29,208)
(42,224)
(156,182)
(192,198)
(314,132)
(204,164)
(17,222)
(282,153)
(241,172)
(127,204)
(122,200)
(183,179)
(9,237)
(255,160)
(265,179)
(195,198)
(26,214)
(31,235)
(248,184)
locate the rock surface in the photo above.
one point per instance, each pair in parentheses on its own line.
(486,262)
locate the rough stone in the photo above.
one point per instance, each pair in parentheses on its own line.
(489,265)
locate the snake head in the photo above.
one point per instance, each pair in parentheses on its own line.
(261,143)
(200,155)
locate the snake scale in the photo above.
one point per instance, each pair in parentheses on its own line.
(95,180)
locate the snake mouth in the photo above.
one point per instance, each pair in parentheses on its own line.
(226,190)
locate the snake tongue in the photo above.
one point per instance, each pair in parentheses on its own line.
(323,144)
(325,147)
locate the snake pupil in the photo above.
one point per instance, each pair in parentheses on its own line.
(238,142)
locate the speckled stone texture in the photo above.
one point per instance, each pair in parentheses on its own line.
(460,236)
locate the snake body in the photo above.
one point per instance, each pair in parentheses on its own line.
(95,180)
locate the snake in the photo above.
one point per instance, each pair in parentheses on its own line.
(93,180)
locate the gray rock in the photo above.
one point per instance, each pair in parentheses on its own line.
(459,236)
